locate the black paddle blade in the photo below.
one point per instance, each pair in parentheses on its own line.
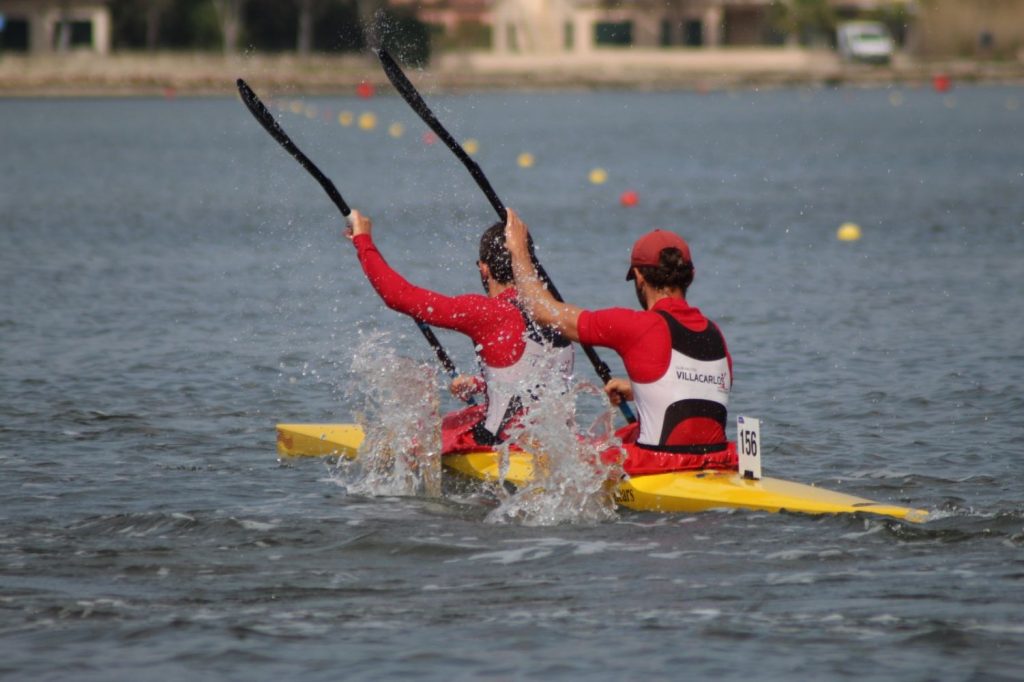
(260,111)
(409,93)
(270,124)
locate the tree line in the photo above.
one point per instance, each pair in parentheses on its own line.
(301,26)
(306,26)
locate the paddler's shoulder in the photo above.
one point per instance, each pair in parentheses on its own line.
(690,316)
(591,321)
(509,295)
(503,305)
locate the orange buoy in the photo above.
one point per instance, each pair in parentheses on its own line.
(365,90)
(629,198)
(942,83)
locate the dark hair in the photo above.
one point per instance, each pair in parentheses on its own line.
(494,253)
(673,271)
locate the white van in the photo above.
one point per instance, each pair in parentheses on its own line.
(864,41)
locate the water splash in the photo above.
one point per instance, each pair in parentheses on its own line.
(401,454)
(572,484)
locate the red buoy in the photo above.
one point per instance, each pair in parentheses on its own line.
(429,137)
(365,90)
(629,198)
(942,83)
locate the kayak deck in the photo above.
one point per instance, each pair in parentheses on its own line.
(343,440)
(681,491)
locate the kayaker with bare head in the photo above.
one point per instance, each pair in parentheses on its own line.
(510,347)
(680,370)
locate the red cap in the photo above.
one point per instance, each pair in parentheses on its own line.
(647,249)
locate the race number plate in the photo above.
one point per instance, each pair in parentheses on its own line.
(748,446)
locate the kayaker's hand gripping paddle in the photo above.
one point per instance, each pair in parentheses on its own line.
(270,124)
(409,93)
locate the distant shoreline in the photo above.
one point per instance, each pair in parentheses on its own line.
(199,74)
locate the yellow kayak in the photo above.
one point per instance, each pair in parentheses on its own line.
(681,491)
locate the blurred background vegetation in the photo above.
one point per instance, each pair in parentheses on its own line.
(302,26)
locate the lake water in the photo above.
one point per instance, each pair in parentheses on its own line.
(174,285)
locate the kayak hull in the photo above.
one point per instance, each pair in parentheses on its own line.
(319,440)
(680,491)
(695,491)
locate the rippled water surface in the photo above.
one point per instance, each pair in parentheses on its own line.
(174,284)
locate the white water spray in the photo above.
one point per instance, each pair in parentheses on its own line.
(572,484)
(401,454)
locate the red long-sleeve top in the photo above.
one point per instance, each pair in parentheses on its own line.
(640,336)
(495,325)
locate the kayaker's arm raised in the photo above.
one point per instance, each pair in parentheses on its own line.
(540,303)
(451,312)
(535,297)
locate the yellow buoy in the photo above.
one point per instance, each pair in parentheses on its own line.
(345,118)
(296,106)
(396,130)
(598,176)
(471,146)
(848,232)
(525,160)
(367,121)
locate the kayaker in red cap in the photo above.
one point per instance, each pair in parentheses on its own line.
(512,349)
(680,370)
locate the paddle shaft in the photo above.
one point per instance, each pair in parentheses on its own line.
(412,96)
(270,124)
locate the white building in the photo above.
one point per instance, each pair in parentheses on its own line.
(55,26)
(550,26)
(580,26)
